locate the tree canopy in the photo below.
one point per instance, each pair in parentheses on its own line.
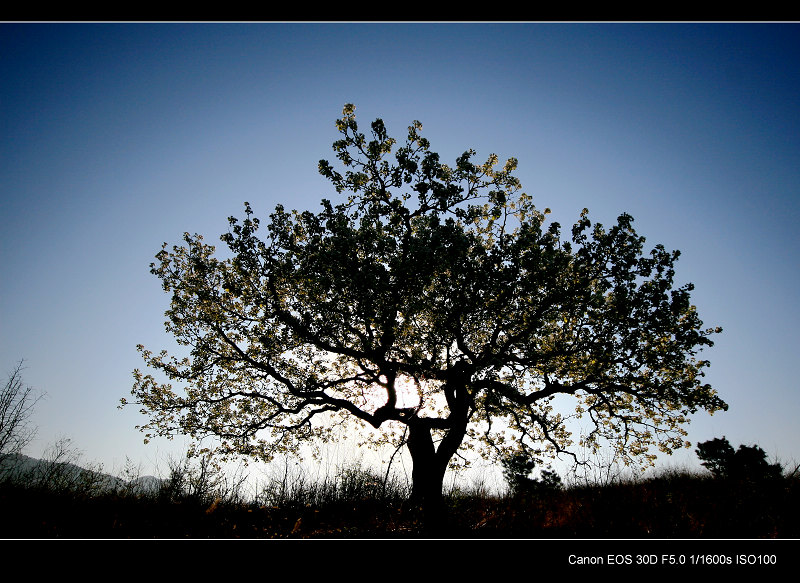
(431,301)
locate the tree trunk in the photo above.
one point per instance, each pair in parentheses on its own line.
(429,462)
(427,474)
(427,477)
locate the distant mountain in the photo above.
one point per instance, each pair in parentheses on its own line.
(146,483)
(24,469)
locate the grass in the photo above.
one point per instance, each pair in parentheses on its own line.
(200,501)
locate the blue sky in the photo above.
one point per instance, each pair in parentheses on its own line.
(118,137)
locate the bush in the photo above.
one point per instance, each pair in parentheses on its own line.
(517,469)
(745,463)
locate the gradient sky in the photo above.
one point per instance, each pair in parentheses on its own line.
(118,137)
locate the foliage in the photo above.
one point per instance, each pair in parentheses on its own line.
(747,462)
(432,307)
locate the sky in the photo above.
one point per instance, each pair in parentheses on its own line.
(118,137)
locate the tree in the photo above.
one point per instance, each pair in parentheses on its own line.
(747,462)
(517,468)
(432,305)
(17,402)
(716,455)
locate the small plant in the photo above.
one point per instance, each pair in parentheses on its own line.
(747,462)
(204,482)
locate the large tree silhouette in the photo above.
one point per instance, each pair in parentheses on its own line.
(440,281)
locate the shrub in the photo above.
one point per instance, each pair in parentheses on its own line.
(747,462)
(517,469)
